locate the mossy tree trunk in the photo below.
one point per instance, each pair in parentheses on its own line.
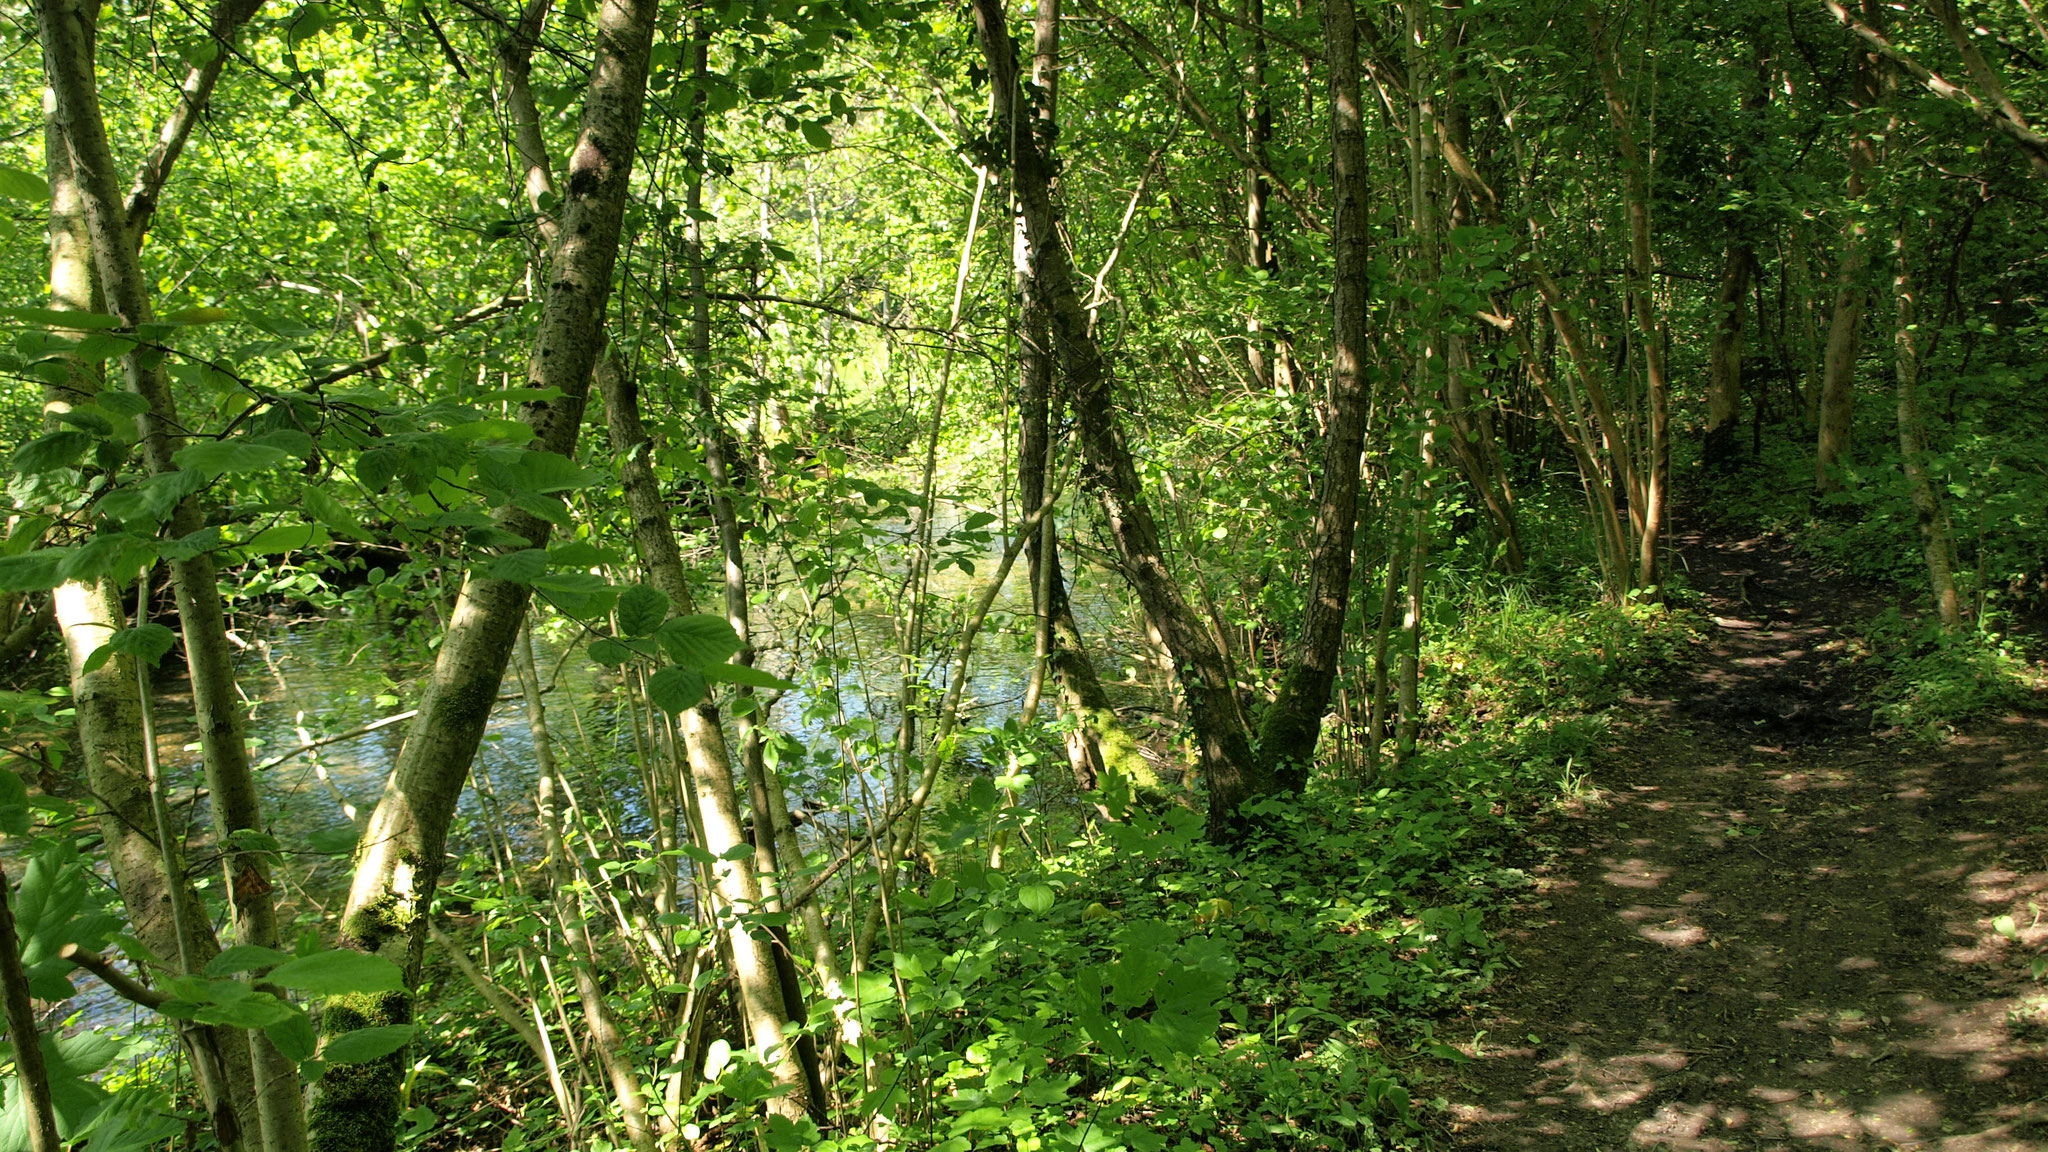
(403,848)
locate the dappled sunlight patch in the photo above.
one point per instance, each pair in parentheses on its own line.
(1634,873)
(1617,1082)
(1689,1127)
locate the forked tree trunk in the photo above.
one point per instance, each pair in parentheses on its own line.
(403,850)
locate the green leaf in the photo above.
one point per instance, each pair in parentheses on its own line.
(742,674)
(291,440)
(294,1037)
(330,511)
(52,318)
(28,532)
(698,641)
(145,642)
(510,431)
(366,1044)
(521,567)
(339,972)
(1037,898)
(14,811)
(375,468)
(51,451)
(23,185)
(510,470)
(611,653)
(34,571)
(816,134)
(282,538)
(121,403)
(213,458)
(642,609)
(675,689)
(244,958)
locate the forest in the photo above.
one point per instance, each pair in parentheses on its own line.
(1089,575)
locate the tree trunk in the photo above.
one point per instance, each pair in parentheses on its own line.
(1291,727)
(1233,774)
(1934,537)
(1838,365)
(403,850)
(1724,360)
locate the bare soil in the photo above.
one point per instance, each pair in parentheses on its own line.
(1772,928)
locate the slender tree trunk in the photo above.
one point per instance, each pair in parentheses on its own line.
(1288,735)
(95,240)
(1838,365)
(1724,360)
(1656,451)
(1233,774)
(614,1054)
(32,1076)
(402,852)
(1927,512)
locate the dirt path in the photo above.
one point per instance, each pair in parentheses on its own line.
(1775,930)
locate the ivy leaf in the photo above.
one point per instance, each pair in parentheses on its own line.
(698,641)
(642,609)
(675,689)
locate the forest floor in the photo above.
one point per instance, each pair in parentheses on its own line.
(1771,928)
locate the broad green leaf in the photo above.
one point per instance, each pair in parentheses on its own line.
(123,403)
(14,811)
(146,642)
(1037,898)
(201,314)
(28,533)
(521,567)
(33,571)
(52,318)
(816,134)
(580,554)
(109,556)
(518,470)
(244,958)
(366,1044)
(375,469)
(294,1037)
(291,440)
(338,972)
(282,538)
(698,641)
(675,689)
(51,451)
(641,609)
(22,185)
(742,674)
(330,511)
(222,457)
(510,431)
(611,653)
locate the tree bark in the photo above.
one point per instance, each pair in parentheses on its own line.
(32,1076)
(1935,545)
(1724,359)
(1232,772)
(1291,727)
(1838,364)
(403,849)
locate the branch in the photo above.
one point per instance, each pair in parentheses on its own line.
(2031,142)
(125,986)
(1140,44)
(371,363)
(227,17)
(831,309)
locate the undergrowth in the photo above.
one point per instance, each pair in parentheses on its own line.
(1126,985)
(1935,678)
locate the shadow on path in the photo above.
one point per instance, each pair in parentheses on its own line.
(1772,929)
